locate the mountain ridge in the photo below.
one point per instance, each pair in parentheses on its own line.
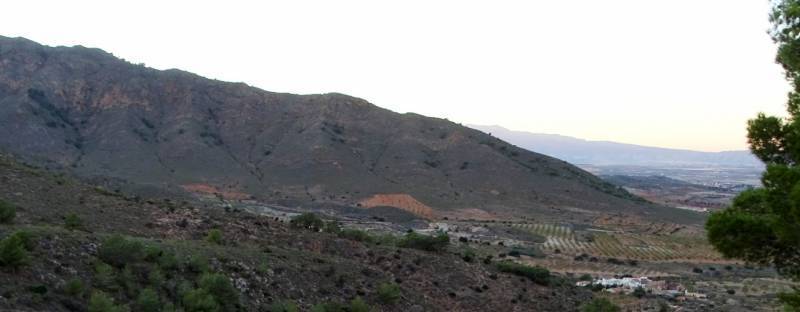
(86,111)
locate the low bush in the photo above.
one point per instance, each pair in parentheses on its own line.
(389,293)
(73,222)
(119,251)
(538,275)
(7,212)
(599,305)
(329,307)
(358,305)
(74,287)
(425,242)
(214,236)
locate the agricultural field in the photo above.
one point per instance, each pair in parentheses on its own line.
(562,239)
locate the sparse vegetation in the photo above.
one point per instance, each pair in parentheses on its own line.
(7,212)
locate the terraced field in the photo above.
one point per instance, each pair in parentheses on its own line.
(563,239)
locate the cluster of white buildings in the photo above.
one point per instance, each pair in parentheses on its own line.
(629,284)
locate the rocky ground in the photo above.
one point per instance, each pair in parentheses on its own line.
(267,261)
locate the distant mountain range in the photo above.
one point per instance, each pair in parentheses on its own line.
(606,153)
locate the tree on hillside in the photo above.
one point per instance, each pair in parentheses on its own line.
(763,225)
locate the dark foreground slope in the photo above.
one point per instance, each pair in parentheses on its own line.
(266,261)
(98,116)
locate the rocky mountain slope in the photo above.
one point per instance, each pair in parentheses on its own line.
(255,264)
(88,112)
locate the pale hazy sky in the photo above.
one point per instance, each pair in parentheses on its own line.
(680,73)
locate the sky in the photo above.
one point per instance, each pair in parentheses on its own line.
(681,73)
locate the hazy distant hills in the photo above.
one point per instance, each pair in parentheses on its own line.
(604,153)
(91,113)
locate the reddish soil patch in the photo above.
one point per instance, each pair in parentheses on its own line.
(403,201)
(205,189)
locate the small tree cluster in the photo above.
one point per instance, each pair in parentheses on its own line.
(308,221)
(438,242)
(119,251)
(14,249)
(536,274)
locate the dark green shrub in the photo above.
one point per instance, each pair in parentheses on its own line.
(199,300)
(13,253)
(119,251)
(127,279)
(148,301)
(152,253)
(100,302)
(389,293)
(425,242)
(7,212)
(639,292)
(155,277)
(358,305)
(599,305)
(308,221)
(214,236)
(197,264)
(104,276)
(538,275)
(38,289)
(468,255)
(73,222)
(74,287)
(168,261)
(283,306)
(220,287)
(26,238)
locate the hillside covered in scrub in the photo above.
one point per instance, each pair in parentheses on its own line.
(66,246)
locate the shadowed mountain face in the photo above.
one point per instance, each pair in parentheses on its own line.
(604,153)
(87,111)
